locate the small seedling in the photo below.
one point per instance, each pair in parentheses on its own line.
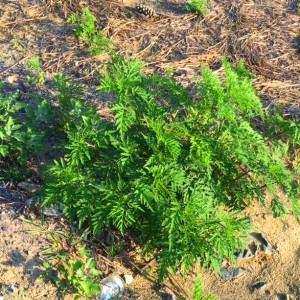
(33,65)
(18,44)
(85,29)
(70,266)
(197,6)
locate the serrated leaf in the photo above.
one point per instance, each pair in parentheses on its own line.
(4,150)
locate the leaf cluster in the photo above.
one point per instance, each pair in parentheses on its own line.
(199,7)
(84,28)
(18,134)
(37,75)
(173,169)
(24,128)
(64,108)
(75,266)
(197,291)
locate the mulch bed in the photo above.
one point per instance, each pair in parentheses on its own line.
(265,34)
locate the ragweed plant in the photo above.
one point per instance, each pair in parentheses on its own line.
(84,28)
(173,169)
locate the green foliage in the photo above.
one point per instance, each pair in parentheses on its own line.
(197,292)
(85,29)
(172,169)
(66,107)
(282,127)
(197,6)
(71,269)
(278,208)
(19,136)
(33,65)
(18,44)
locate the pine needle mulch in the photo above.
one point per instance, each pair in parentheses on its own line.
(265,34)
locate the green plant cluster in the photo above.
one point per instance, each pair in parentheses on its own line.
(25,129)
(173,169)
(19,136)
(85,29)
(75,265)
(33,65)
(67,108)
(199,7)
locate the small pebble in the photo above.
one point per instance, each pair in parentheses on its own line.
(4,228)
(128,279)
(53,211)
(11,288)
(10,79)
(30,272)
(229,273)
(282,296)
(29,187)
(167,296)
(259,285)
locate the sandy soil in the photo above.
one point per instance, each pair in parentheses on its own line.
(20,251)
(280,272)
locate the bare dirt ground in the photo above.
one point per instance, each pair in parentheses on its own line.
(20,251)
(266,34)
